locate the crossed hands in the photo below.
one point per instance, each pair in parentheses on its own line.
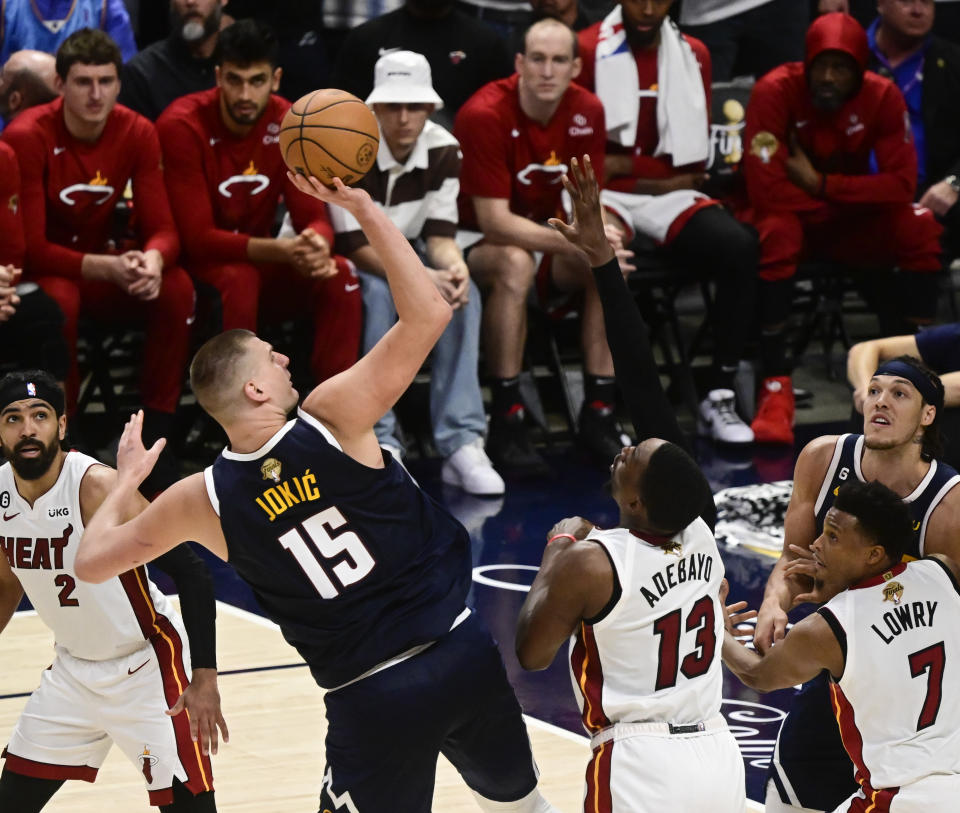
(138,273)
(453,282)
(309,254)
(9,275)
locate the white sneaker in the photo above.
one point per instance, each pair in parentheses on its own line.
(719,419)
(469,468)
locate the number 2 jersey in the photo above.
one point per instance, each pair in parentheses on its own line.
(94,622)
(355,564)
(897,702)
(653,652)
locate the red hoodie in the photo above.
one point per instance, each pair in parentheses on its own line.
(838,143)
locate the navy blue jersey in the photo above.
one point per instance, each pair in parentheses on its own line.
(811,768)
(355,564)
(939,479)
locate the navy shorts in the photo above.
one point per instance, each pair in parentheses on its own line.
(386,731)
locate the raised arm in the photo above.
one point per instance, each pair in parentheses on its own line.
(350,403)
(800,530)
(113,543)
(575,581)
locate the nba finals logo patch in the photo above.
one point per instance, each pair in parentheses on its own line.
(764,146)
(147,761)
(673,547)
(271,469)
(892,591)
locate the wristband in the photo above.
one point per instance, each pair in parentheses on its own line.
(561,536)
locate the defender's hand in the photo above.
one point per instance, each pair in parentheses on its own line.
(587,231)
(201,701)
(134,462)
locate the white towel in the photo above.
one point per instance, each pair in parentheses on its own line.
(682,120)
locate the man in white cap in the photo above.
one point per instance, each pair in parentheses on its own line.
(416,182)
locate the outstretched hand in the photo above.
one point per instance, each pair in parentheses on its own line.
(587,231)
(201,701)
(134,462)
(735,615)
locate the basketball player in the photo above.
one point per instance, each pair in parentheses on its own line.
(225,177)
(121,657)
(640,606)
(889,639)
(898,448)
(365,574)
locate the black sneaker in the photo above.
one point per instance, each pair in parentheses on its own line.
(599,433)
(509,446)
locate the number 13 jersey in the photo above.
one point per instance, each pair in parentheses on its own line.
(355,564)
(653,655)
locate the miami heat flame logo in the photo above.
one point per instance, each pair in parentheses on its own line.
(552,167)
(249,176)
(147,761)
(673,547)
(98,186)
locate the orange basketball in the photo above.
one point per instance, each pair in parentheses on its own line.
(329,134)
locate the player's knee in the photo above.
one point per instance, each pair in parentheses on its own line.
(65,293)
(177,294)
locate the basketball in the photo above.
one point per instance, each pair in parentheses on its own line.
(329,134)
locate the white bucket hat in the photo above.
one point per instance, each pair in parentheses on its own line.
(403,77)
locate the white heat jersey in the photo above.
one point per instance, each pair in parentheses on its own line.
(654,655)
(898,701)
(93,622)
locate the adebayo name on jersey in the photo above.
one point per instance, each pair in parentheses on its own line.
(695,567)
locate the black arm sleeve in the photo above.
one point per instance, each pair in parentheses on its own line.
(197,604)
(650,411)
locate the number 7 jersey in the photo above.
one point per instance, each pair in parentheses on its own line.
(898,700)
(653,654)
(355,564)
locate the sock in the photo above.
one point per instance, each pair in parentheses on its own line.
(599,391)
(506,395)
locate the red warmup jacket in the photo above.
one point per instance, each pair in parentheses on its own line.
(69,188)
(838,143)
(224,188)
(12,247)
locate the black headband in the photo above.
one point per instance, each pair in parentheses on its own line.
(915,376)
(14,390)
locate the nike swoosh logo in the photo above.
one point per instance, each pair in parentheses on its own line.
(12,516)
(351,287)
(58,150)
(131,671)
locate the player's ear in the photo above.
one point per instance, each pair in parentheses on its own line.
(517,61)
(62,427)
(577,66)
(216,75)
(253,392)
(275,82)
(927,414)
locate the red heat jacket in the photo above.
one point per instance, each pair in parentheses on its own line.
(838,143)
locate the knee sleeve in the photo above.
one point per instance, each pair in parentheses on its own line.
(533,802)
(25,794)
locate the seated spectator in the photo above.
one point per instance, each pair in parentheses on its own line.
(946,23)
(811,130)
(567,12)
(44,25)
(747,37)
(517,136)
(304,56)
(77,154)
(926,68)
(463,54)
(180,64)
(416,181)
(656,158)
(27,79)
(939,348)
(30,322)
(225,176)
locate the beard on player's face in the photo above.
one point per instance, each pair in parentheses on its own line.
(41,457)
(246,112)
(194,27)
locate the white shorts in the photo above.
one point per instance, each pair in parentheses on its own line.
(82,707)
(774,804)
(667,773)
(651,215)
(937,792)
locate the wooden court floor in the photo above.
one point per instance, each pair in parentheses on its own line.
(274,760)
